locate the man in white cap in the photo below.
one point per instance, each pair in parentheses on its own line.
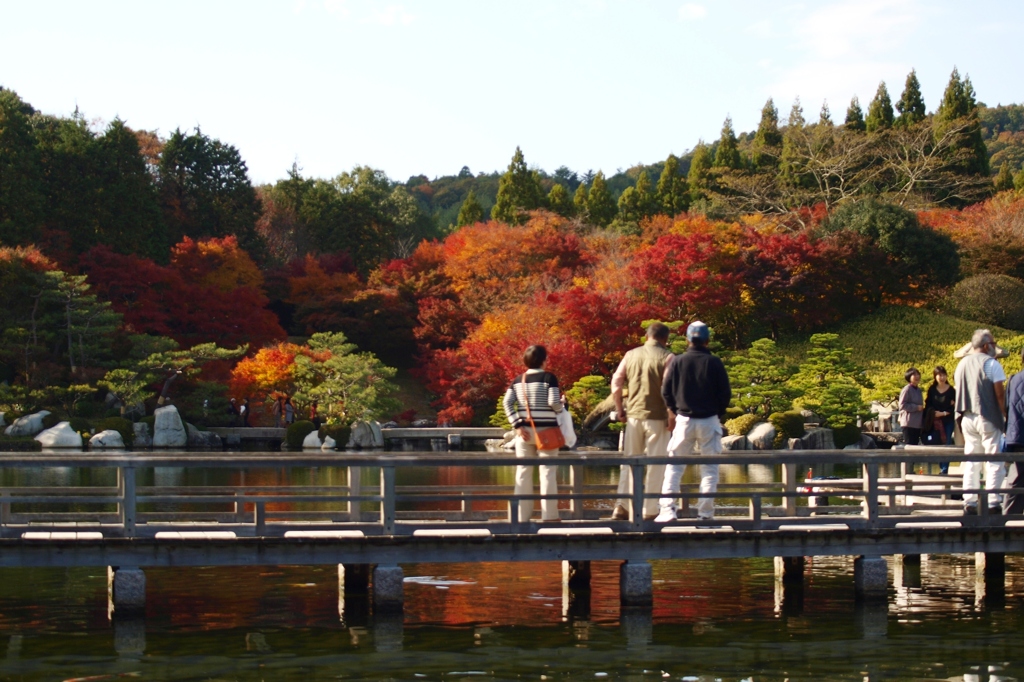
(697,392)
(981,404)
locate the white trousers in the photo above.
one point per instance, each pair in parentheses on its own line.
(643,437)
(981,437)
(524,480)
(703,436)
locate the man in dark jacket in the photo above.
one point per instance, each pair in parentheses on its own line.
(696,391)
(1014,502)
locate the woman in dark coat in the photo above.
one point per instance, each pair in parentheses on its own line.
(940,417)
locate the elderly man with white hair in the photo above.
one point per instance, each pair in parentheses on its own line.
(981,404)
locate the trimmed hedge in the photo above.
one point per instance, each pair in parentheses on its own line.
(847,435)
(297,433)
(787,425)
(19,444)
(80,425)
(338,432)
(990,299)
(740,426)
(733,412)
(122,426)
(50,420)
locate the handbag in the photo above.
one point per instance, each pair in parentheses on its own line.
(550,438)
(565,426)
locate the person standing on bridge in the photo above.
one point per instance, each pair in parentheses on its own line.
(640,374)
(697,392)
(1014,502)
(531,404)
(980,406)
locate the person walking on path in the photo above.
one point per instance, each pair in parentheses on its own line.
(245,411)
(640,373)
(697,393)
(940,403)
(1014,502)
(980,405)
(277,410)
(912,407)
(289,412)
(532,403)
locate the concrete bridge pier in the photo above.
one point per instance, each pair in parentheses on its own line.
(576,590)
(126,590)
(990,578)
(873,618)
(636,583)
(129,635)
(388,631)
(906,571)
(388,589)
(871,577)
(637,626)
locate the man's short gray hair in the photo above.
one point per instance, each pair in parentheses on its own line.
(981,338)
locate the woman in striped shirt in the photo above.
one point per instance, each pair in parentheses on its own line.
(539,390)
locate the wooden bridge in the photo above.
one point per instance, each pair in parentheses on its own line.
(372,523)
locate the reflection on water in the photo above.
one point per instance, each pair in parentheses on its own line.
(721,619)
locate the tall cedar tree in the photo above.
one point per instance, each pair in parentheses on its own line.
(560,202)
(728,154)
(579,200)
(21,192)
(911,104)
(637,202)
(519,191)
(671,193)
(471,212)
(767,145)
(792,164)
(958,105)
(601,208)
(880,114)
(825,116)
(1004,179)
(697,178)
(855,116)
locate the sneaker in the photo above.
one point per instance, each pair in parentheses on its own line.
(619,514)
(666,515)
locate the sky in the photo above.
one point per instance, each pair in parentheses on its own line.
(427,87)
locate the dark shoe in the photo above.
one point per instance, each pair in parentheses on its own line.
(970,510)
(619,514)
(995,511)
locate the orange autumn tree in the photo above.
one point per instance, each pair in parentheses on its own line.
(265,375)
(217,262)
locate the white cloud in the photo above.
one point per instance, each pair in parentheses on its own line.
(392,15)
(338,8)
(692,11)
(853,28)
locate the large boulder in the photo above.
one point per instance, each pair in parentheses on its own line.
(29,425)
(818,439)
(761,436)
(107,440)
(60,436)
(735,443)
(329,443)
(794,444)
(365,435)
(312,441)
(810,417)
(202,440)
(142,437)
(597,419)
(867,442)
(168,429)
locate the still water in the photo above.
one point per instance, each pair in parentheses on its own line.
(711,620)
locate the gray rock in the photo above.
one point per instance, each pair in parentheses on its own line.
(852,446)
(378,435)
(365,435)
(107,440)
(794,444)
(169,431)
(735,443)
(818,439)
(597,419)
(867,442)
(60,436)
(202,440)
(29,425)
(142,437)
(389,425)
(761,436)
(810,417)
(312,441)
(423,424)
(329,444)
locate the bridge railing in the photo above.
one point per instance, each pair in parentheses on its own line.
(373,501)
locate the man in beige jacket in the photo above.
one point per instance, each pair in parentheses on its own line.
(640,374)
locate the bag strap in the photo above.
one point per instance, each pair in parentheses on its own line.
(526,397)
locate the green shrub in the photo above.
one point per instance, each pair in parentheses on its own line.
(733,412)
(499,419)
(989,299)
(81,426)
(338,432)
(846,435)
(19,444)
(741,425)
(787,425)
(297,433)
(121,425)
(150,421)
(50,420)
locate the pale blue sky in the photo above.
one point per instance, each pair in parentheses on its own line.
(427,87)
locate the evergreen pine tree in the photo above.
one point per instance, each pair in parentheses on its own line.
(519,191)
(855,116)
(728,154)
(671,196)
(21,191)
(880,114)
(1004,180)
(637,202)
(792,167)
(911,104)
(1018,180)
(471,211)
(760,379)
(560,202)
(825,117)
(601,208)
(579,200)
(959,107)
(697,178)
(767,144)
